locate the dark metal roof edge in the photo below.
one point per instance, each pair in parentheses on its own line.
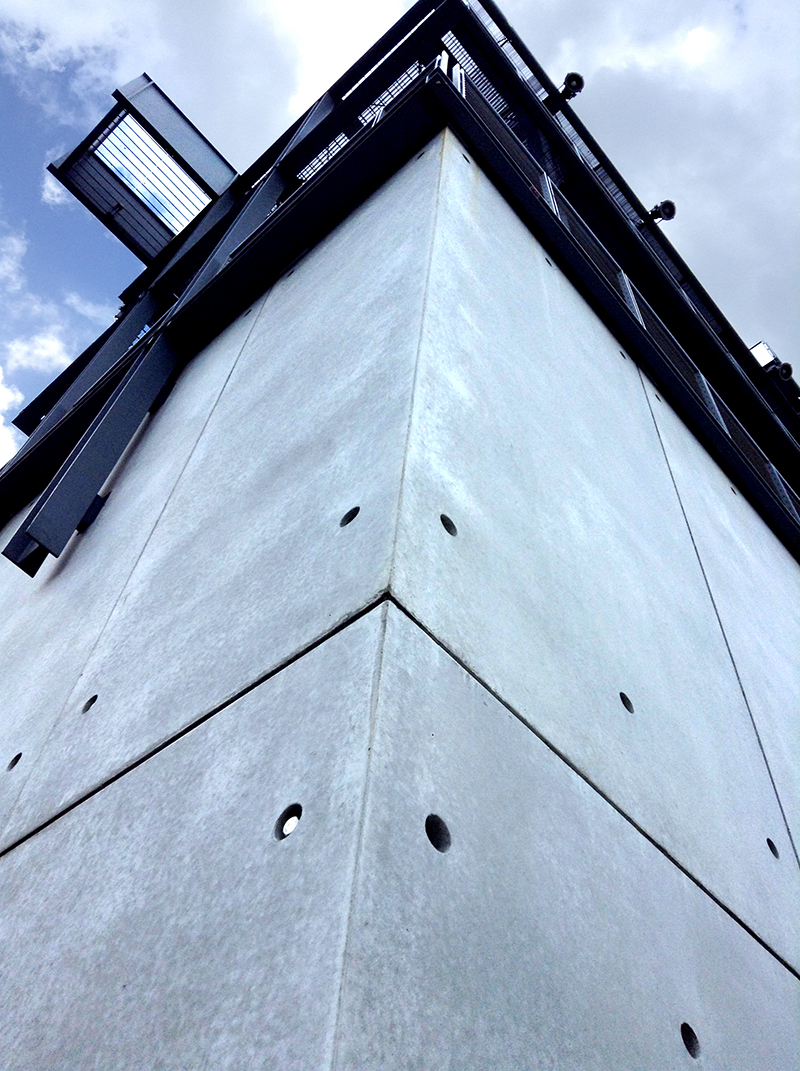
(743,357)
(121,94)
(60,167)
(129,106)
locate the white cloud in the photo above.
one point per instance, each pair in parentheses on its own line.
(17,301)
(43,352)
(328,38)
(53,193)
(99,314)
(698,46)
(241,70)
(12,249)
(10,439)
(37,335)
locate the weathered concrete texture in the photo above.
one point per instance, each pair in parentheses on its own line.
(573,577)
(161,924)
(49,624)
(755,583)
(248,563)
(551,935)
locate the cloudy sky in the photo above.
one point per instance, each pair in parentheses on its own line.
(696,100)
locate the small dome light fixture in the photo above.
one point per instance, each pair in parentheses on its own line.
(785,371)
(665,210)
(573,84)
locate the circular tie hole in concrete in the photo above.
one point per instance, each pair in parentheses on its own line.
(350,516)
(90,702)
(14,761)
(690,1040)
(438,833)
(626,702)
(448,525)
(773,848)
(288,821)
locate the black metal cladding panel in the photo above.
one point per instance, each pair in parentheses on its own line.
(110,197)
(495,99)
(745,442)
(666,340)
(794,498)
(589,158)
(154,110)
(599,256)
(512,146)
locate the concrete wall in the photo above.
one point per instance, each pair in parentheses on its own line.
(608,876)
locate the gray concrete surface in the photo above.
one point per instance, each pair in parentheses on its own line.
(573,577)
(551,934)
(755,584)
(160,923)
(398,370)
(248,562)
(49,624)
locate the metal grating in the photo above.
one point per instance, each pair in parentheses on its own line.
(475,74)
(366,118)
(327,154)
(519,64)
(596,252)
(385,99)
(146,168)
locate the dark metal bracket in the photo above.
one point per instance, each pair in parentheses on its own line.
(72,494)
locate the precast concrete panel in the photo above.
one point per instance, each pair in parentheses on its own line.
(540,540)
(549,934)
(252,559)
(50,623)
(755,584)
(162,924)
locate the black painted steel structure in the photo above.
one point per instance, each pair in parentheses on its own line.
(448,63)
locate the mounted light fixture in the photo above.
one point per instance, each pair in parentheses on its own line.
(573,84)
(665,210)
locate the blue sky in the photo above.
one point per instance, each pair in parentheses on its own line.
(695,101)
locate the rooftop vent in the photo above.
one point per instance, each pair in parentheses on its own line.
(145,171)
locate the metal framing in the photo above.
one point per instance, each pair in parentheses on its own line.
(396,98)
